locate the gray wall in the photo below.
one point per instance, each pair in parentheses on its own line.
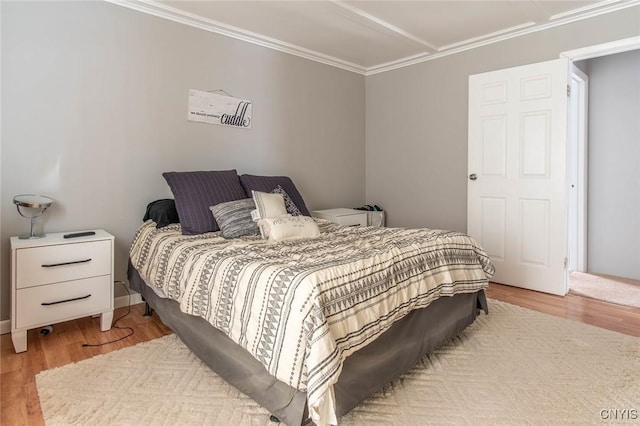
(94,108)
(94,103)
(614,165)
(417,120)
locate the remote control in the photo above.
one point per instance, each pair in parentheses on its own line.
(79,234)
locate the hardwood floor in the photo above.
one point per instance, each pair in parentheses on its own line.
(19,404)
(622,319)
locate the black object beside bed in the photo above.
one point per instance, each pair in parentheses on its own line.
(366,371)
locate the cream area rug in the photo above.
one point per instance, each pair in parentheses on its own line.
(514,366)
(621,291)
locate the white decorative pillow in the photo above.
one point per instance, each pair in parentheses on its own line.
(288,227)
(269,205)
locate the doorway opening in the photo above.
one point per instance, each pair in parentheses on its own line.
(604,284)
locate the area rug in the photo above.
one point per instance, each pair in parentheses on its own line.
(621,291)
(514,366)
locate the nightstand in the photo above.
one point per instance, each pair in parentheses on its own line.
(347,217)
(56,279)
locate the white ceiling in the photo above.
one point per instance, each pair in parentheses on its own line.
(374,36)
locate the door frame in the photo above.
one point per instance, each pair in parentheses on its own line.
(577,237)
(577,170)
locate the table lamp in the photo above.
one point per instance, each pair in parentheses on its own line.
(36,205)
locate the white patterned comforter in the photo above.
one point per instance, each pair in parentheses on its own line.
(302,306)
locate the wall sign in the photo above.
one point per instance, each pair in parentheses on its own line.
(206,107)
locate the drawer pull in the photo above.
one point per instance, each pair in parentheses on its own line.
(51,265)
(65,301)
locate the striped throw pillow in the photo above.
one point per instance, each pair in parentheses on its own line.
(234,218)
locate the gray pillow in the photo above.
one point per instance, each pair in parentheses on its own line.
(194,192)
(234,218)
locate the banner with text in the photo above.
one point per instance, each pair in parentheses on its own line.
(210,108)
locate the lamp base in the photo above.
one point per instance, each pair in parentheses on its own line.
(31,237)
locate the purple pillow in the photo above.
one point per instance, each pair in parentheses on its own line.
(195,192)
(269,183)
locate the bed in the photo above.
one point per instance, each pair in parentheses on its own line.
(307,326)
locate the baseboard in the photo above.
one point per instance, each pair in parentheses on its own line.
(118,302)
(123,301)
(5,326)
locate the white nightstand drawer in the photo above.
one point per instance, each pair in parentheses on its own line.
(55,263)
(359,219)
(341,216)
(53,303)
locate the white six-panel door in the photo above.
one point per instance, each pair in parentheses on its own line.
(517,172)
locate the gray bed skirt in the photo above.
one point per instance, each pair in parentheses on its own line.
(364,372)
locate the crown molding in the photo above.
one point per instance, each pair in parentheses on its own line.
(604,49)
(192,20)
(416,59)
(167,12)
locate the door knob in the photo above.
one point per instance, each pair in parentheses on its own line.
(473,176)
